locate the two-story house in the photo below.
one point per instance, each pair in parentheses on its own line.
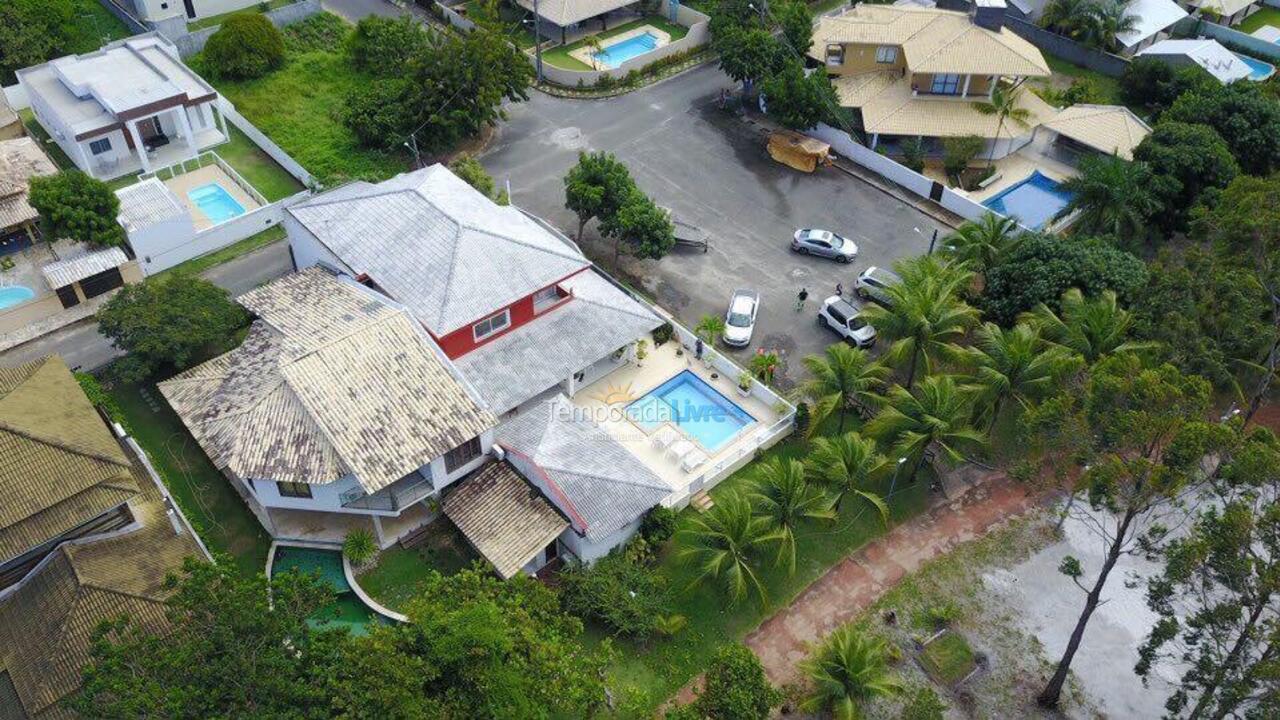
(130,106)
(915,72)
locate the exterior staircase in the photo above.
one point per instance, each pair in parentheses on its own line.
(702,502)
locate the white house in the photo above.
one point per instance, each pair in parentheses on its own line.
(190,9)
(1210,55)
(1153,19)
(130,106)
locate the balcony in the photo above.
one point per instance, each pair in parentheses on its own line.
(398,496)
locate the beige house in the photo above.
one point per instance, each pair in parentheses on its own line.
(919,72)
(20,160)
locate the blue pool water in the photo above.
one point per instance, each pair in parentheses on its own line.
(1033,201)
(689,403)
(215,202)
(1260,70)
(15,295)
(611,56)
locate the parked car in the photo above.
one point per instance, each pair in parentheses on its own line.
(824,243)
(740,320)
(872,283)
(845,320)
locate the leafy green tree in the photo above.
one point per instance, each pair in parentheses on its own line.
(1004,106)
(1190,164)
(168,323)
(936,419)
(596,187)
(1247,120)
(783,497)
(619,591)
(385,46)
(1146,443)
(34,31)
(1014,364)
(78,207)
(840,378)
(849,466)
(747,54)
(1112,196)
(847,671)
(1154,84)
(1090,327)
(734,687)
(799,101)
(796,22)
(1068,17)
(246,46)
(958,152)
(473,173)
(725,543)
(982,243)
(924,315)
(377,112)
(1042,267)
(644,227)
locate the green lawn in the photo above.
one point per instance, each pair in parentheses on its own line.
(560,56)
(195,266)
(1265,16)
(219,19)
(949,659)
(394,580)
(254,165)
(1109,87)
(94,26)
(204,494)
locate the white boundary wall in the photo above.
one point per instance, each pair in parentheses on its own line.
(290,165)
(217,237)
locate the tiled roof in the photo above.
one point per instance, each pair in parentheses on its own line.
(890,108)
(331,380)
(607,485)
(598,320)
(61,467)
(506,519)
(64,272)
(1108,128)
(146,203)
(20,160)
(568,12)
(932,41)
(437,245)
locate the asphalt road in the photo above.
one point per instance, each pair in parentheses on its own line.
(712,170)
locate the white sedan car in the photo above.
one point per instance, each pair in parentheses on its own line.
(740,320)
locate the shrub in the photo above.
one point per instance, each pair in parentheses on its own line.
(913,154)
(359,547)
(958,152)
(736,687)
(383,46)
(943,614)
(619,591)
(471,171)
(658,525)
(662,334)
(323,32)
(73,205)
(246,46)
(668,625)
(99,397)
(923,705)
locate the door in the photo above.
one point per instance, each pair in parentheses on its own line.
(191,9)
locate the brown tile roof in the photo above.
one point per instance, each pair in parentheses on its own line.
(331,380)
(20,160)
(61,465)
(505,518)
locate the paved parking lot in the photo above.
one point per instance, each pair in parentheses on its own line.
(712,170)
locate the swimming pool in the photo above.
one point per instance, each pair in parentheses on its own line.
(15,295)
(215,202)
(1259,70)
(689,403)
(611,56)
(347,610)
(1033,201)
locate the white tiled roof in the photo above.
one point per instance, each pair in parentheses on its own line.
(147,203)
(1208,54)
(64,272)
(568,12)
(1152,16)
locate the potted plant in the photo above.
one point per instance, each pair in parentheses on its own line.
(745,380)
(642,352)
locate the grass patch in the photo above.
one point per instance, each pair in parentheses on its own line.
(560,56)
(206,497)
(824,6)
(51,148)
(948,659)
(254,165)
(93,26)
(1263,17)
(213,20)
(1108,87)
(197,265)
(395,579)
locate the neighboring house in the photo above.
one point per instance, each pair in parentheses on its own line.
(130,106)
(566,14)
(1224,12)
(152,10)
(1209,55)
(99,531)
(1106,129)
(1153,20)
(20,160)
(10,123)
(918,72)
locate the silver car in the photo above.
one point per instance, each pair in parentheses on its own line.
(740,320)
(824,243)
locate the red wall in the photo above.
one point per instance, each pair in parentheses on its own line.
(462,341)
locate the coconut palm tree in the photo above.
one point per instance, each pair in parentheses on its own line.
(1068,17)
(1109,19)
(848,465)
(937,417)
(1092,327)
(979,244)
(710,328)
(923,315)
(840,377)
(848,671)
(1003,104)
(724,544)
(783,496)
(1014,364)
(593,46)
(1112,196)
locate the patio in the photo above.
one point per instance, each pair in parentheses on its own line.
(183,184)
(1042,153)
(163,156)
(332,527)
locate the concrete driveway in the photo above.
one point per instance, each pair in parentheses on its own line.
(712,170)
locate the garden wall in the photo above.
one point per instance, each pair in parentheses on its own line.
(1068,49)
(698,35)
(193,42)
(217,237)
(454,18)
(281,157)
(1198,27)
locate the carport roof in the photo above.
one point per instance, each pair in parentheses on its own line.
(1106,128)
(568,12)
(147,203)
(64,272)
(505,518)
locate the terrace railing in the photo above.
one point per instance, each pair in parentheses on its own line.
(388,498)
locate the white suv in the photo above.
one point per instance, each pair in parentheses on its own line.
(872,282)
(845,320)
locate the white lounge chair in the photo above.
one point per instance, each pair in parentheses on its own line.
(693,460)
(665,437)
(681,448)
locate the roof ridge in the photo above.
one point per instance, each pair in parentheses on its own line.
(71,447)
(609,307)
(614,479)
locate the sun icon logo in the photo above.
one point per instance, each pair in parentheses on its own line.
(616,394)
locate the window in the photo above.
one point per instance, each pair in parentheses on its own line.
(835,54)
(97,147)
(545,298)
(461,455)
(945,85)
(491,325)
(886,54)
(294,489)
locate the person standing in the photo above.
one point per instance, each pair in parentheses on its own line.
(801,297)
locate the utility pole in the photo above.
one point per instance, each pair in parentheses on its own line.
(537,40)
(413,145)
(933,240)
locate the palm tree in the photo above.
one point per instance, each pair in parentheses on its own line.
(723,544)
(848,465)
(937,417)
(782,495)
(981,243)
(840,377)
(593,46)
(1015,364)
(1112,195)
(1092,327)
(710,328)
(847,671)
(1004,105)
(1109,19)
(924,315)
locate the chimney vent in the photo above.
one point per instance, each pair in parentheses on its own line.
(989,14)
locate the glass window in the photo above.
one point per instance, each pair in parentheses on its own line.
(491,324)
(545,298)
(886,54)
(461,455)
(97,147)
(294,489)
(835,54)
(945,85)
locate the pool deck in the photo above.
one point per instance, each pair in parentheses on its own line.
(184,183)
(1015,167)
(584,54)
